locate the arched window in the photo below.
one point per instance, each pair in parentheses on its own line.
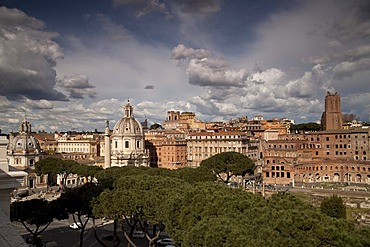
(126,144)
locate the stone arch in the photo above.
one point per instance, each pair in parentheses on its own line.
(345,177)
(310,178)
(336,177)
(358,178)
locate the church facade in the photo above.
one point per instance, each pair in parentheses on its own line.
(125,145)
(23,152)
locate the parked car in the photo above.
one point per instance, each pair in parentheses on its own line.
(138,234)
(75,226)
(164,242)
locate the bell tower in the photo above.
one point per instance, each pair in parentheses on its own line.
(332,117)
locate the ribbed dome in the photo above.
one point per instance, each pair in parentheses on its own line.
(128,124)
(24,141)
(27,143)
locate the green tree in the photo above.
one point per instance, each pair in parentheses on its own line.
(78,202)
(89,172)
(138,199)
(349,117)
(155,126)
(333,206)
(228,164)
(53,166)
(36,214)
(194,175)
(305,127)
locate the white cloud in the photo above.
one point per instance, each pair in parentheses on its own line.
(4,102)
(206,70)
(78,86)
(180,52)
(347,69)
(302,87)
(38,104)
(207,73)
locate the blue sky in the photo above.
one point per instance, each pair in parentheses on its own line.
(70,65)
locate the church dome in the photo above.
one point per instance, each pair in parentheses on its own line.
(128,124)
(24,142)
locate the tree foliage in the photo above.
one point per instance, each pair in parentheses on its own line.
(333,206)
(52,166)
(194,175)
(78,202)
(305,127)
(155,126)
(349,117)
(36,214)
(137,199)
(228,164)
(197,211)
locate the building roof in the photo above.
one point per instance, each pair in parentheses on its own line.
(221,133)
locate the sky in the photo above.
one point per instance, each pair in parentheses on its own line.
(72,65)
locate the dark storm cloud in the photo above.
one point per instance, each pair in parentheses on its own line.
(28,57)
(149,87)
(205,6)
(145,7)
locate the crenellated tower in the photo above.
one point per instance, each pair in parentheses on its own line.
(332,117)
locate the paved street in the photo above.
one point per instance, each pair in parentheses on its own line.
(60,232)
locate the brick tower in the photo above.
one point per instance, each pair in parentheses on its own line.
(332,117)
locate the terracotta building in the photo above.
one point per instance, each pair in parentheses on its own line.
(332,155)
(279,158)
(167,148)
(183,121)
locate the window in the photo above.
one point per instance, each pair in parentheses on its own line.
(267,174)
(272,167)
(115,144)
(126,144)
(138,144)
(288,174)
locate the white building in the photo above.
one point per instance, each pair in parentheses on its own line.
(125,146)
(23,152)
(202,145)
